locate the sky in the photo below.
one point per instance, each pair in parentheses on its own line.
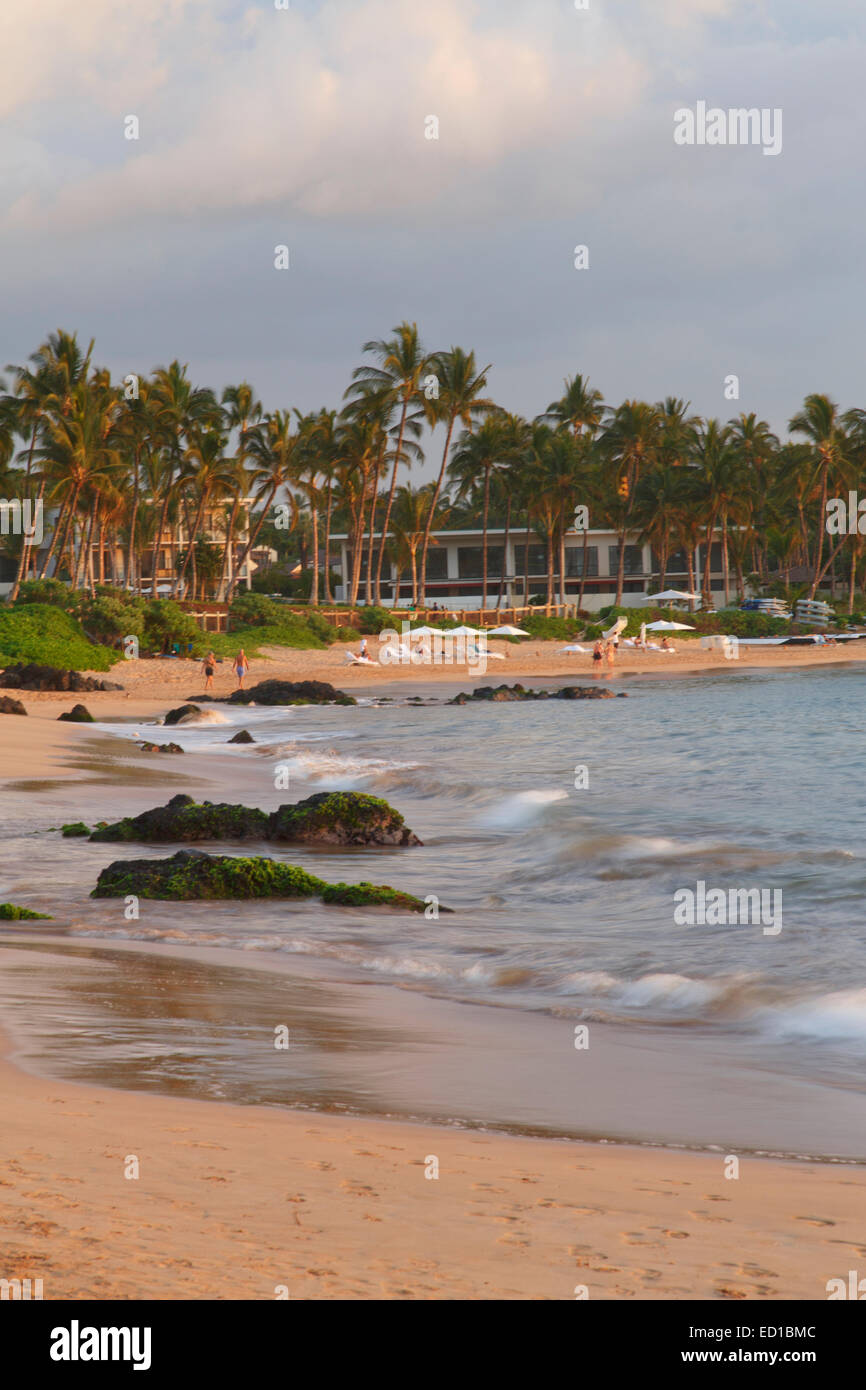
(306,127)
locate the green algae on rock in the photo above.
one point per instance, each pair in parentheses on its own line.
(326,818)
(190,875)
(75,828)
(341,818)
(11,912)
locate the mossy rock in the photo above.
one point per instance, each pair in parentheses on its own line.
(341,818)
(75,828)
(10,706)
(11,912)
(79,714)
(327,818)
(184,819)
(192,876)
(372,894)
(276,692)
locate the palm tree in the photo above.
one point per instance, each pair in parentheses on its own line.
(397,378)
(409,520)
(825,432)
(477,457)
(580,408)
(241,410)
(460,398)
(273,450)
(632,443)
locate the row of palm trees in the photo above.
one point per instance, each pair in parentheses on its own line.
(121,466)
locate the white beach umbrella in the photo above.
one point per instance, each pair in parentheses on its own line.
(426,632)
(507,631)
(670,594)
(669,627)
(575,647)
(464,631)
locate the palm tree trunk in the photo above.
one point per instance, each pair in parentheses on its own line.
(484,537)
(583,569)
(251,542)
(66,511)
(432,512)
(387,518)
(329,598)
(504,568)
(821,515)
(314,514)
(130,552)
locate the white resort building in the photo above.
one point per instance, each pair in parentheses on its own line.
(455,569)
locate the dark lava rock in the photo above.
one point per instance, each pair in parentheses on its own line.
(498,693)
(184,819)
(10,706)
(341,818)
(242,737)
(275,692)
(328,818)
(75,828)
(77,715)
(160,748)
(191,875)
(174,716)
(31,676)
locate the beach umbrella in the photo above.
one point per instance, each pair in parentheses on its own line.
(669,627)
(575,647)
(670,595)
(465,631)
(507,631)
(426,632)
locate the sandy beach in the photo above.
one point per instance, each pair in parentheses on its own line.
(151,685)
(245,1201)
(234,1202)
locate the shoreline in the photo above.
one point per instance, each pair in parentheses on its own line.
(238,1202)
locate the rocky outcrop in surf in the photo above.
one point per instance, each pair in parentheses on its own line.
(276,692)
(191,875)
(499,693)
(327,818)
(29,675)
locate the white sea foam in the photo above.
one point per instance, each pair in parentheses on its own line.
(520,809)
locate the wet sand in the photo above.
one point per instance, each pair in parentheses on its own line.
(244,1202)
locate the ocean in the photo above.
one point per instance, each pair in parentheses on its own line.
(564,994)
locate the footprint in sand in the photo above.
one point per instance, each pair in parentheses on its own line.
(815,1220)
(357,1189)
(321,1165)
(705,1216)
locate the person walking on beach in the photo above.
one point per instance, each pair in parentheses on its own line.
(208,666)
(240,667)
(597,654)
(611,654)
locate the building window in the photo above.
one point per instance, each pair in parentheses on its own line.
(470,562)
(574,561)
(715,557)
(537,559)
(633,559)
(676,562)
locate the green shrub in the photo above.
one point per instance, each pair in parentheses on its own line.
(45,591)
(373,619)
(165,622)
(255,610)
(107,619)
(43,633)
(548,629)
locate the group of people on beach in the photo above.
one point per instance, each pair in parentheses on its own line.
(240,666)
